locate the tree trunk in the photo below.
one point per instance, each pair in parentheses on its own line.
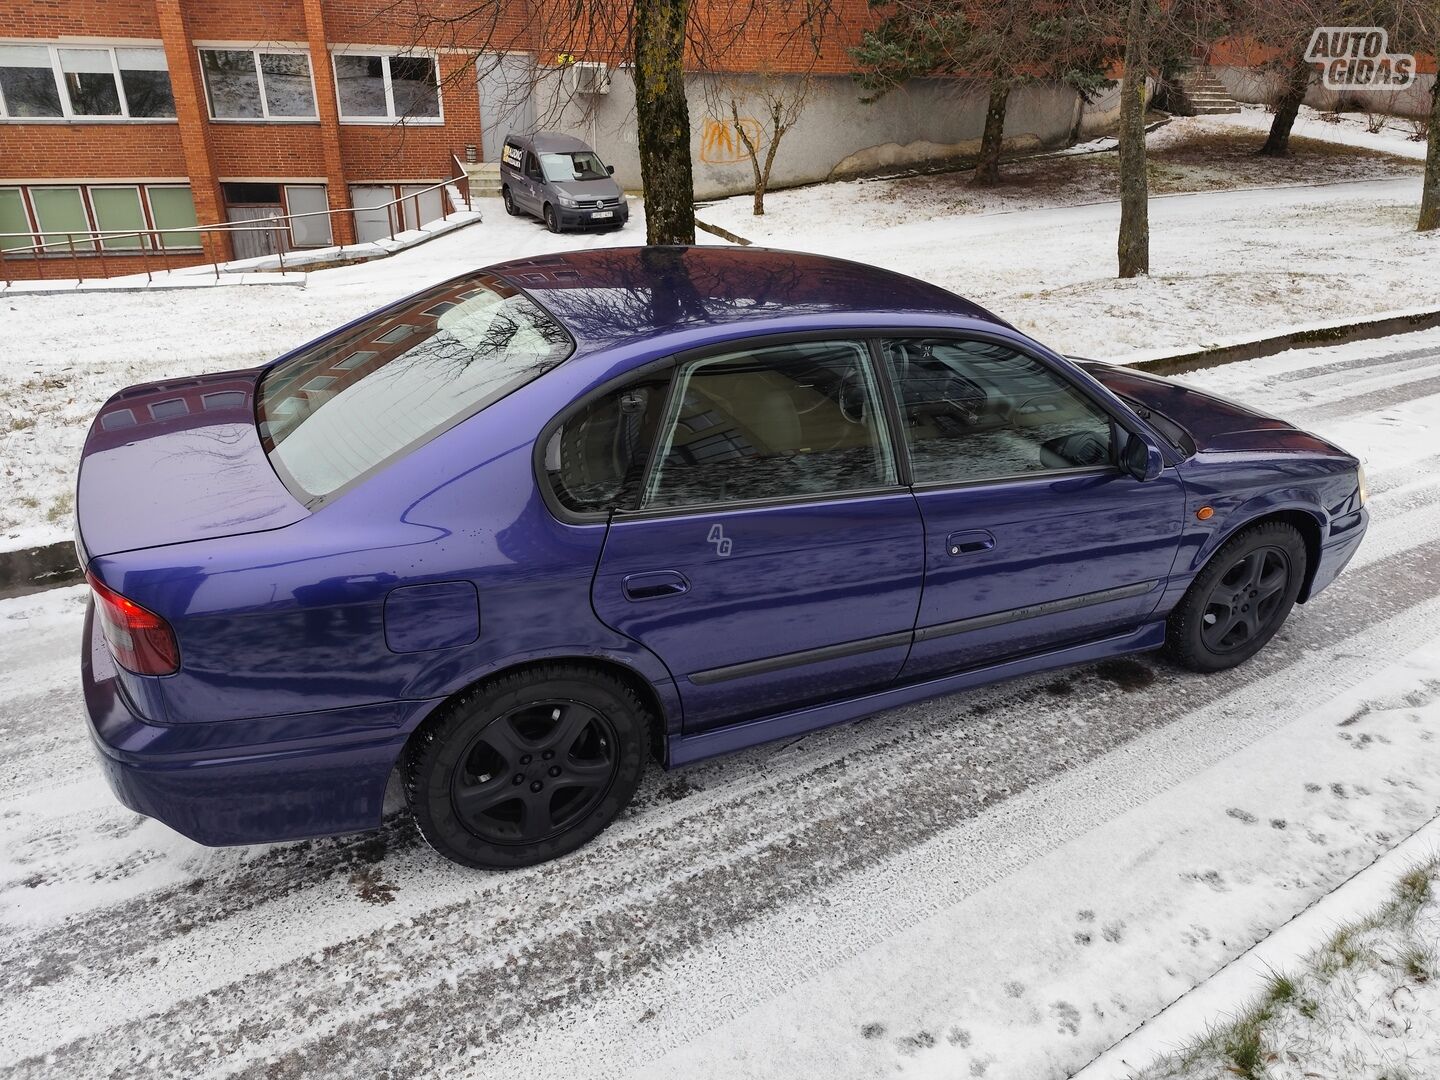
(1287,108)
(662,120)
(987,168)
(1134,245)
(1430,194)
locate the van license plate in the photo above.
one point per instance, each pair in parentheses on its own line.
(603,214)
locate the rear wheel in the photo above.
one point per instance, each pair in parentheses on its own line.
(551,221)
(1241,598)
(527,767)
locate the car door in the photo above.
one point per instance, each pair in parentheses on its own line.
(534,185)
(769,556)
(1035,538)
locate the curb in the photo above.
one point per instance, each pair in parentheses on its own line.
(51,566)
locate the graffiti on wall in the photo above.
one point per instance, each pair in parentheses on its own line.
(720,142)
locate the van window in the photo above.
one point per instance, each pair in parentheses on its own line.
(430,361)
(531,169)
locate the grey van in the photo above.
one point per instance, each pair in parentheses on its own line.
(560,180)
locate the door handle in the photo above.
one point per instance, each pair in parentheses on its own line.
(654,584)
(969,543)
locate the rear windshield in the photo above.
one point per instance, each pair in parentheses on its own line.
(331,414)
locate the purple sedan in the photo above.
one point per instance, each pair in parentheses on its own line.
(511,536)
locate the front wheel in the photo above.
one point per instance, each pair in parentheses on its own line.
(527,767)
(1241,598)
(509,200)
(552,222)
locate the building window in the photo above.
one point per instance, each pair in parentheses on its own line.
(172,208)
(48,82)
(14,219)
(245,84)
(27,81)
(145,78)
(60,215)
(308,199)
(381,87)
(118,210)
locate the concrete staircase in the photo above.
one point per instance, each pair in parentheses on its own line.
(484,179)
(1200,93)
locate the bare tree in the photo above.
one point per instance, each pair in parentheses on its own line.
(1133,246)
(781,99)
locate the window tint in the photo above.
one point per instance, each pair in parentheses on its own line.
(308,199)
(117,209)
(978,411)
(59,210)
(173,208)
(596,460)
(783,421)
(326,419)
(13,219)
(413,86)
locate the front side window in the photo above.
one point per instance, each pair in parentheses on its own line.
(773,423)
(342,407)
(384,87)
(973,410)
(245,84)
(579,166)
(596,459)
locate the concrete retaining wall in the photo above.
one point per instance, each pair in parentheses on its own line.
(1261,87)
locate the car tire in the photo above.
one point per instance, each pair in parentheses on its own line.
(552,221)
(526,767)
(1240,599)
(509,201)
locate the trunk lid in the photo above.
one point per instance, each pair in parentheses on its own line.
(178,460)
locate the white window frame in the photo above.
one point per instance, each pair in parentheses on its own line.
(255,51)
(67,112)
(386,54)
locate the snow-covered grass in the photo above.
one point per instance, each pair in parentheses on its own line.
(1224,265)
(1364,1005)
(1398,136)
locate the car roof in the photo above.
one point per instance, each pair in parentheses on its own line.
(551,141)
(609,296)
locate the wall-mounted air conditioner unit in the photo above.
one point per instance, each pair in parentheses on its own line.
(590,77)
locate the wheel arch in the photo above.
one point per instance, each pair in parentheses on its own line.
(1306,522)
(601,665)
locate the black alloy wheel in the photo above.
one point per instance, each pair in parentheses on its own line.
(531,774)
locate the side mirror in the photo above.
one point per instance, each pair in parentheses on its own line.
(1141,458)
(610,170)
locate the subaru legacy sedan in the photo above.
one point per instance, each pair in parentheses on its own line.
(508,538)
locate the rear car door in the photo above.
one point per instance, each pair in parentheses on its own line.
(1035,538)
(766,552)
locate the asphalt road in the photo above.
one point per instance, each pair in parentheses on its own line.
(127,951)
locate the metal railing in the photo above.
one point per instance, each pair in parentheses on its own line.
(85,244)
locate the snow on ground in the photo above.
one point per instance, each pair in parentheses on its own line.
(1224,265)
(1001,883)
(1397,136)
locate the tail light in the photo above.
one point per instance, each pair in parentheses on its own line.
(140,640)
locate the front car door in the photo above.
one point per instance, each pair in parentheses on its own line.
(1034,537)
(534,184)
(765,551)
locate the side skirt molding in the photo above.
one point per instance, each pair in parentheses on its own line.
(688,749)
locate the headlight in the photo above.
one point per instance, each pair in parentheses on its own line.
(566,200)
(1360,484)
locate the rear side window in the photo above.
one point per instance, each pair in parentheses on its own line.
(773,423)
(348,404)
(597,458)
